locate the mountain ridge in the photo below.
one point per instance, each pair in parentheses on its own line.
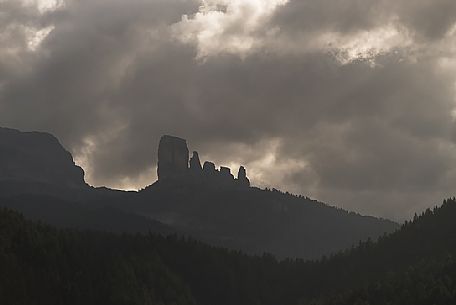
(211,205)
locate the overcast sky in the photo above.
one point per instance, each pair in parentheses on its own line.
(351,102)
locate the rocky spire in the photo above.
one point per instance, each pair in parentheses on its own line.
(172,158)
(195,164)
(242,177)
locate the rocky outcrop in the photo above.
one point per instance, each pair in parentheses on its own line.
(174,166)
(37,157)
(242,179)
(172,158)
(195,164)
(225,172)
(225,178)
(209,169)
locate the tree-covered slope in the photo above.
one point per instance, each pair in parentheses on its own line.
(43,265)
(416,265)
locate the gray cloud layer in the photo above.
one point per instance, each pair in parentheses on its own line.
(351,102)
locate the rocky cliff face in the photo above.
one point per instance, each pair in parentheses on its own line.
(36,157)
(174,166)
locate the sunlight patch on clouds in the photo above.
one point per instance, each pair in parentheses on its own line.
(364,45)
(136,183)
(226,26)
(44,6)
(31,39)
(82,157)
(237,27)
(91,144)
(446,62)
(453,112)
(272,170)
(36,36)
(31,36)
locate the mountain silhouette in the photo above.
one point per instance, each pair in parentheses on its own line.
(39,177)
(39,158)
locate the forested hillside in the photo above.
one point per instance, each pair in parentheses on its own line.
(43,265)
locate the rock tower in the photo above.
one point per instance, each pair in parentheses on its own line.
(172,158)
(174,166)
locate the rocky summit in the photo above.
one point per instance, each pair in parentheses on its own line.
(175,167)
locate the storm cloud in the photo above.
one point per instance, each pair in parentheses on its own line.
(350,102)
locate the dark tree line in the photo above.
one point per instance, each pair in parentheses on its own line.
(43,265)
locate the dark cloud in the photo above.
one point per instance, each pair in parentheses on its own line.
(429,19)
(373,133)
(341,16)
(425,18)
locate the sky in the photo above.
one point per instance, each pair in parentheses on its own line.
(351,102)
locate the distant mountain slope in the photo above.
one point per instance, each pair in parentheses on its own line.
(201,201)
(74,214)
(42,265)
(257,220)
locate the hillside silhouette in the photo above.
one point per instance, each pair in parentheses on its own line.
(39,178)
